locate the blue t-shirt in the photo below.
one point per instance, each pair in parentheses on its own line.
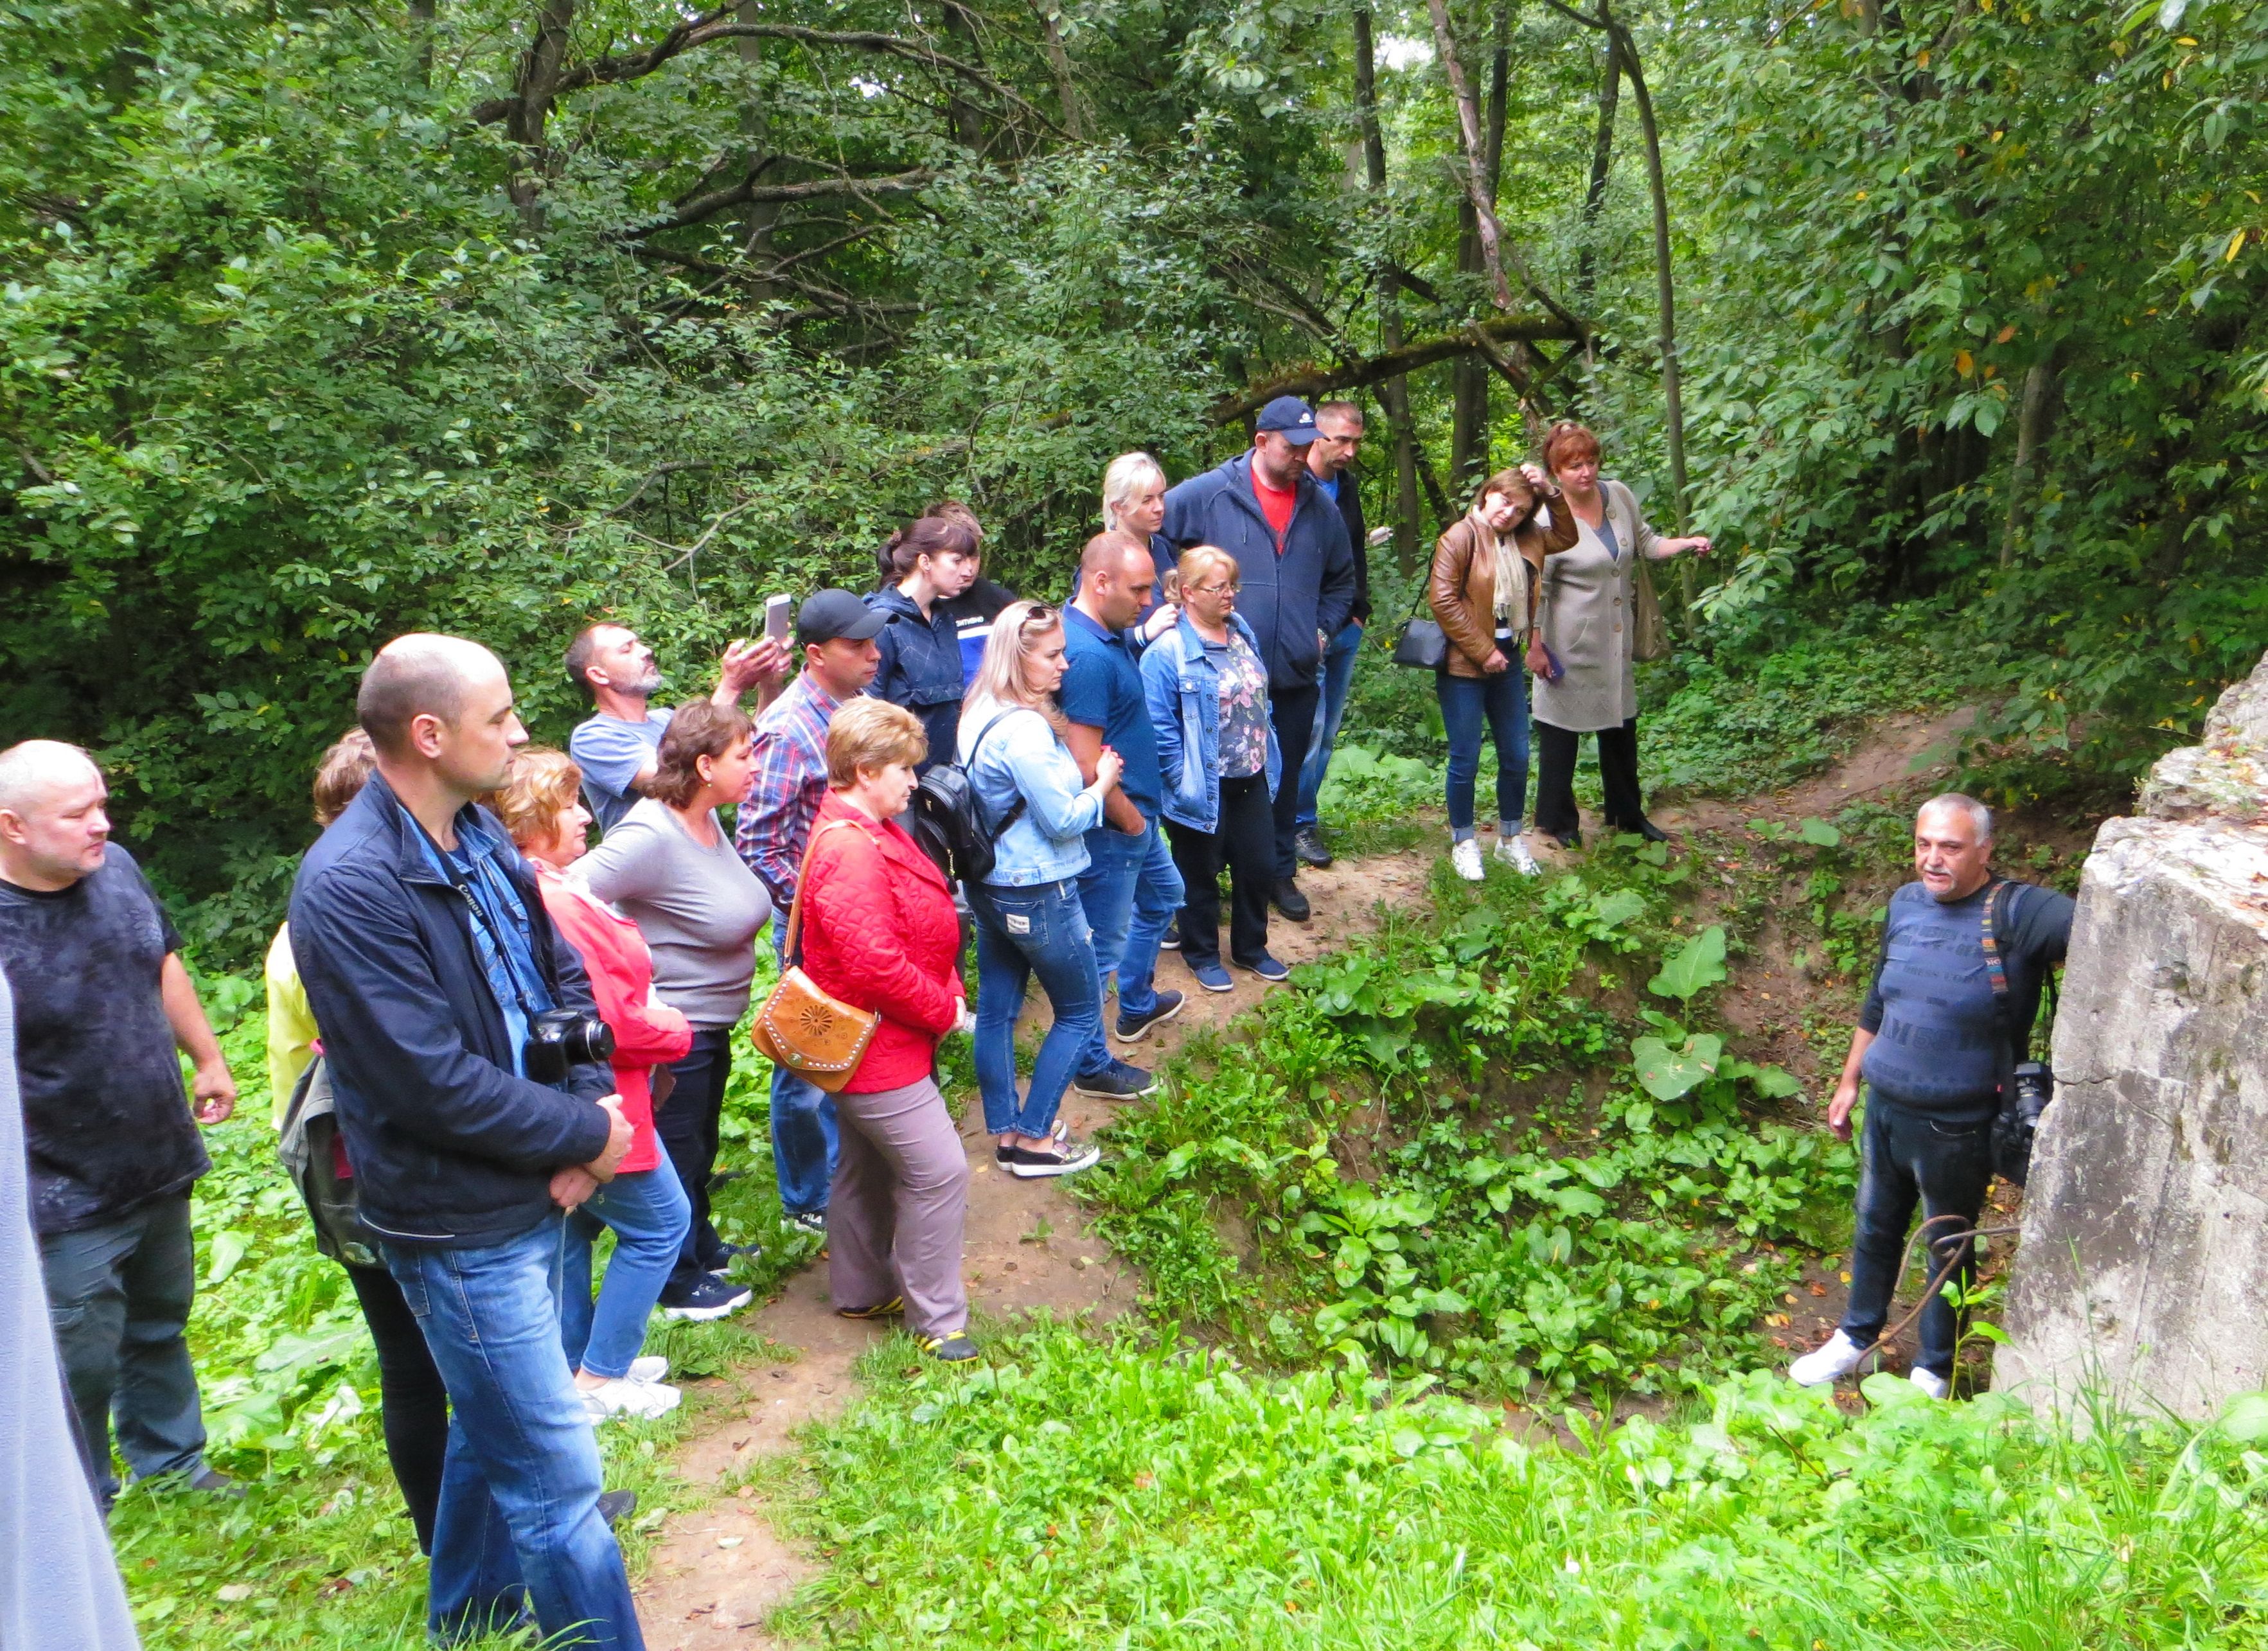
(1331,486)
(610,751)
(1939,1046)
(1102,688)
(501,930)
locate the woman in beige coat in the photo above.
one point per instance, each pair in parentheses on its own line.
(1482,589)
(1585,628)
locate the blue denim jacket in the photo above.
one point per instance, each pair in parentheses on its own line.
(1023,756)
(920,667)
(1183,689)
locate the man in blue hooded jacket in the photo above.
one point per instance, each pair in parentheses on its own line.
(1296,570)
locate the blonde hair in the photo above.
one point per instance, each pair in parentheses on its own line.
(1198,557)
(1002,676)
(868,733)
(541,785)
(344,770)
(1129,476)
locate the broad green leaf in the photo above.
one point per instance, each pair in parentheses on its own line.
(1819,834)
(229,1249)
(1693,967)
(2246,1419)
(1667,1074)
(1611,911)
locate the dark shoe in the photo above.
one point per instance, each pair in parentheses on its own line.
(1171,939)
(1117,1082)
(890,1308)
(1132,1028)
(1213,976)
(1572,840)
(725,1261)
(213,1482)
(1064,1155)
(1267,968)
(1291,901)
(616,1505)
(812,1221)
(1650,831)
(950,1349)
(1308,845)
(712,1297)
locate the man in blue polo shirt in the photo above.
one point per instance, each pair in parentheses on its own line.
(1130,888)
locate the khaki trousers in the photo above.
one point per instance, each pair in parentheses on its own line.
(895,1210)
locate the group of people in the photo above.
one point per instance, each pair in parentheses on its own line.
(523,1038)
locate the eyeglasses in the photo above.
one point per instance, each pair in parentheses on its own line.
(1214,590)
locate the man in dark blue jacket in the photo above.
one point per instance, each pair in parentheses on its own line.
(427,958)
(1296,577)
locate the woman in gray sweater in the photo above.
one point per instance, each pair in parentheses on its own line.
(670,867)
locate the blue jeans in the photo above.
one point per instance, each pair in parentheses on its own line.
(806,1137)
(1501,701)
(650,1214)
(519,1529)
(1130,889)
(1337,676)
(1021,933)
(118,1296)
(1907,1157)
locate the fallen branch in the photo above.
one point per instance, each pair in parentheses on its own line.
(1479,337)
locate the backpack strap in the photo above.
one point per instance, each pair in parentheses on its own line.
(976,747)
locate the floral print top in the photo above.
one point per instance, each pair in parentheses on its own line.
(1243,707)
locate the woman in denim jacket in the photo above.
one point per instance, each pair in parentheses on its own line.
(1208,693)
(1029,916)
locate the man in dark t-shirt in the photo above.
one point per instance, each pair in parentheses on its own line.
(1936,1041)
(102,1003)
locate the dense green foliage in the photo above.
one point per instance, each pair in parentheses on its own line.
(323,324)
(1109,1493)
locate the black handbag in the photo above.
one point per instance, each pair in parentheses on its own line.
(1422,645)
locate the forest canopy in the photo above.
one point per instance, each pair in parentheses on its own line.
(497,316)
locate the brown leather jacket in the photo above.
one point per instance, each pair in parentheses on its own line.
(1462,588)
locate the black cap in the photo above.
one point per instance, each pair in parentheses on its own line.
(827,615)
(1291,418)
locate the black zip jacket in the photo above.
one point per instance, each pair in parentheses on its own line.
(451,1148)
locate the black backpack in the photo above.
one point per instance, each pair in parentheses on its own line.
(947,816)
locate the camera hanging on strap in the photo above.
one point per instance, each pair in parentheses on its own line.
(2026,1085)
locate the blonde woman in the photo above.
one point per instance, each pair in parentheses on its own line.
(1029,920)
(1207,690)
(1134,502)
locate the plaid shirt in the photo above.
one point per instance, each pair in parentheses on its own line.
(784,791)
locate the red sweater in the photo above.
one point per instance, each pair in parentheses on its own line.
(648,1032)
(879,933)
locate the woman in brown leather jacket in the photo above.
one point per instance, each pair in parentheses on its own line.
(1482,591)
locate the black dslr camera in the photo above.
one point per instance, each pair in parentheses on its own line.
(2031,1088)
(561,1038)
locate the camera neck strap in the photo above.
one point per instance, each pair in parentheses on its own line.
(492,903)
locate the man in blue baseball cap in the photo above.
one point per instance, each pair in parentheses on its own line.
(1296,568)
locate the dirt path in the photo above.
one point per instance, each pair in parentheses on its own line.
(718,1572)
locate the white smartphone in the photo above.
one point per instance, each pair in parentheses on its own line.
(776,619)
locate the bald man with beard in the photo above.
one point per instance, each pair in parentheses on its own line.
(103,1002)
(427,956)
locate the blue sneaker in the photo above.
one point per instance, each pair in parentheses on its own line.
(1213,976)
(1267,968)
(1117,1082)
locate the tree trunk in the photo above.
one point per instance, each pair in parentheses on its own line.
(1393,395)
(1594,198)
(2031,430)
(422,16)
(1059,65)
(536,85)
(1469,376)
(756,223)
(1673,401)
(968,120)
(1475,168)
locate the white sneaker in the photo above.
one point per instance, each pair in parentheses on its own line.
(1838,1357)
(1512,851)
(1465,857)
(1930,1384)
(652,1368)
(622,1397)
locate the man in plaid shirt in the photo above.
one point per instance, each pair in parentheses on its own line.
(836,632)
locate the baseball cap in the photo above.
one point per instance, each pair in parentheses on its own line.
(1290,418)
(827,615)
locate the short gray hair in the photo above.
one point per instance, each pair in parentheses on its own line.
(1128,474)
(1979,815)
(30,770)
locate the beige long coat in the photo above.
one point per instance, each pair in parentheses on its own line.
(1589,616)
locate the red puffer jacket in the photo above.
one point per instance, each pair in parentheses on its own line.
(879,933)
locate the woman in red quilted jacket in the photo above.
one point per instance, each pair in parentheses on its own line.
(879,933)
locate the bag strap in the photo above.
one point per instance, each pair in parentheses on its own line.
(1999,902)
(1015,810)
(794,949)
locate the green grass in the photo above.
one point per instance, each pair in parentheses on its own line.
(1112,1491)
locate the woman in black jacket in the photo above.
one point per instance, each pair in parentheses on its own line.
(926,565)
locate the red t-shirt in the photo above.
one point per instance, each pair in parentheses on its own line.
(1274,505)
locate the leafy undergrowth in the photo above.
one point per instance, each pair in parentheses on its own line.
(1114,1492)
(1503,1143)
(321,1553)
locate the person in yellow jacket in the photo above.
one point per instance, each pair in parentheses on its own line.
(291,1022)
